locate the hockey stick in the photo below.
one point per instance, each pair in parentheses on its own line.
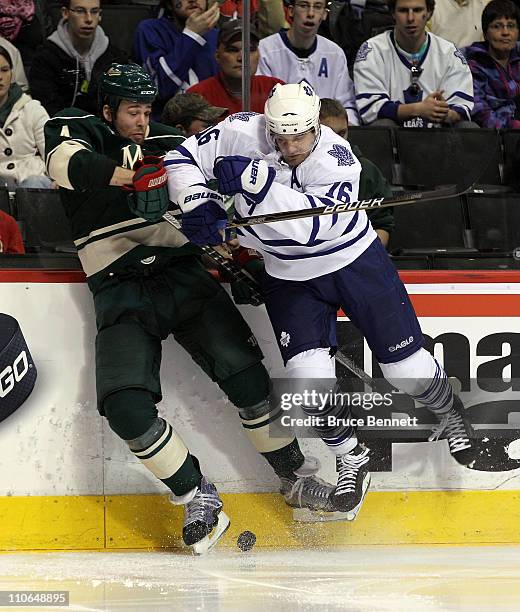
(351,366)
(442,193)
(226,265)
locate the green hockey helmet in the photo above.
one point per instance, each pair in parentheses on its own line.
(126,82)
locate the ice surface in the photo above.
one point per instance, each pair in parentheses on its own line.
(357,579)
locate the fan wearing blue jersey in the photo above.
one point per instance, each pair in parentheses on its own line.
(315,265)
(410,77)
(178,48)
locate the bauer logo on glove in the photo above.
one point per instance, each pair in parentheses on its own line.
(238,174)
(148,197)
(203,215)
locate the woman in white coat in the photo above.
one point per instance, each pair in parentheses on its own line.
(21,133)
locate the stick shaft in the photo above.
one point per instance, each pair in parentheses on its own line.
(371,204)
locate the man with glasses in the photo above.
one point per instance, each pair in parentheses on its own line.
(409,77)
(66,69)
(299,53)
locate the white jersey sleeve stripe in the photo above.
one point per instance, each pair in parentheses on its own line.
(461,94)
(167,70)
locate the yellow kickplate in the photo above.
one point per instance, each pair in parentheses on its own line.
(36,523)
(150,521)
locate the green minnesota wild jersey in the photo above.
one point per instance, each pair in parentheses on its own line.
(82,152)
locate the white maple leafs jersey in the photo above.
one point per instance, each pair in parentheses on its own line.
(293,250)
(382,78)
(325,68)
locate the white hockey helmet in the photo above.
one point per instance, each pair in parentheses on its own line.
(292,109)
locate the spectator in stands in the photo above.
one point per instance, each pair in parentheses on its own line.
(271,17)
(458,20)
(21,133)
(410,77)
(299,53)
(190,113)
(495,65)
(178,49)
(349,24)
(372,183)
(26,24)
(66,69)
(225,89)
(233,9)
(16,59)
(10,236)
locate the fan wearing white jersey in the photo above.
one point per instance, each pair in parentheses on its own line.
(409,77)
(284,161)
(299,53)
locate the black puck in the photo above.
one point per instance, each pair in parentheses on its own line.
(246,540)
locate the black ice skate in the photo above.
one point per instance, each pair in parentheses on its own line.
(459,433)
(353,481)
(308,495)
(204,521)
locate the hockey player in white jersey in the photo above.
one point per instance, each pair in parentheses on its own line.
(300,53)
(410,77)
(283,161)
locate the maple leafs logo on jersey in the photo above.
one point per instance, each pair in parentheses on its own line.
(285,338)
(342,154)
(241,116)
(458,53)
(308,90)
(363,52)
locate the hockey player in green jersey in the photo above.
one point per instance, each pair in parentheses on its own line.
(147,282)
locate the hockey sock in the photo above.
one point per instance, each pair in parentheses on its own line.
(249,391)
(130,412)
(259,422)
(421,377)
(331,425)
(163,452)
(286,460)
(314,370)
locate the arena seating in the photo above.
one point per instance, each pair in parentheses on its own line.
(495,220)
(430,157)
(5,203)
(511,145)
(42,221)
(377,145)
(428,225)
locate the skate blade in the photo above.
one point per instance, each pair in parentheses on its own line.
(305,515)
(207,543)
